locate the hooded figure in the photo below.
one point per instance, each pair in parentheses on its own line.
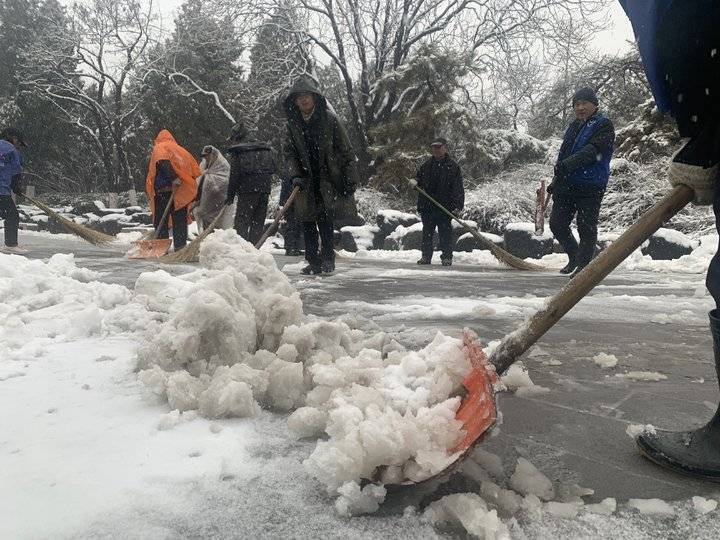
(212,190)
(252,166)
(171,168)
(322,163)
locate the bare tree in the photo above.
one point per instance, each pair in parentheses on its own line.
(85,73)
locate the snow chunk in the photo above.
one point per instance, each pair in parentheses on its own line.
(606,507)
(517,379)
(354,501)
(528,480)
(307,422)
(635,430)
(605,360)
(703,505)
(652,376)
(469,511)
(652,506)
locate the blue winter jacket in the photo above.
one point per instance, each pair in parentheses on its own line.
(645,15)
(10,165)
(585,154)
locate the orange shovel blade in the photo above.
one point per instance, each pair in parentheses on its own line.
(149,249)
(477,411)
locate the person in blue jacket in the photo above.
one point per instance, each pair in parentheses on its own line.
(679,42)
(10,182)
(581,176)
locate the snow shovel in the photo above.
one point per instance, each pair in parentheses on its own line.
(276,222)
(478,410)
(499,253)
(152,247)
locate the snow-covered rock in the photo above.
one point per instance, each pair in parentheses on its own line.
(520,240)
(668,244)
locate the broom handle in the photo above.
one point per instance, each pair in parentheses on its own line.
(273,226)
(515,344)
(164,215)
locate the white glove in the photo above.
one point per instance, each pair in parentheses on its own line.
(701,180)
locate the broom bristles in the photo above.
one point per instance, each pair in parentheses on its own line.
(190,253)
(86,233)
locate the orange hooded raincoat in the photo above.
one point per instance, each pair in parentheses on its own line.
(185,166)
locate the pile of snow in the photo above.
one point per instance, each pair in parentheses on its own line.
(652,506)
(44,303)
(469,511)
(231,338)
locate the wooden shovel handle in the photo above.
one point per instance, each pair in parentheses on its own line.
(515,344)
(274,225)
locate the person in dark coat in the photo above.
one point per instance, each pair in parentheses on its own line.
(441,178)
(252,166)
(680,47)
(291,229)
(581,176)
(321,161)
(11,163)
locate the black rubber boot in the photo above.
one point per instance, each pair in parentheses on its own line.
(423,260)
(328,267)
(693,453)
(569,268)
(312,268)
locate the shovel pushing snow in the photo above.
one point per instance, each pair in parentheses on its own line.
(152,247)
(478,410)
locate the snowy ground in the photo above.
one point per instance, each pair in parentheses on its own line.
(82,455)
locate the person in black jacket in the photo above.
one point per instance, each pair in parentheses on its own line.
(441,178)
(251,168)
(581,176)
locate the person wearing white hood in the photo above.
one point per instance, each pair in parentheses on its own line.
(212,189)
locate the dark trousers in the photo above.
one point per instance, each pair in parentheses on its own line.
(319,232)
(179,221)
(250,215)
(291,230)
(587,208)
(11,219)
(432,220)
(712,281)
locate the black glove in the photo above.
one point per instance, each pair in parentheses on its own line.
(550,188)
(299,182)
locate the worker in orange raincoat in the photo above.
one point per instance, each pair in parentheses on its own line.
(172,169)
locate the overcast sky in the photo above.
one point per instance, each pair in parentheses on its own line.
(611,41)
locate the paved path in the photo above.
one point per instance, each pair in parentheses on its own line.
(576,432)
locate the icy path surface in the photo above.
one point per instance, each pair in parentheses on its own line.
(82,455)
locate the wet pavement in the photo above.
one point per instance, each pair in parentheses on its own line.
(574,433)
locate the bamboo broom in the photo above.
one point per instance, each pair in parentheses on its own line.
(190,252)
(86,233)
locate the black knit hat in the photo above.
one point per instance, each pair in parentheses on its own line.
(585,94)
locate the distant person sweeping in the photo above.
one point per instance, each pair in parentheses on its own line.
(252,166)
(212,190)
(11,165)
(581,175)
(172,175)
(439,177)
